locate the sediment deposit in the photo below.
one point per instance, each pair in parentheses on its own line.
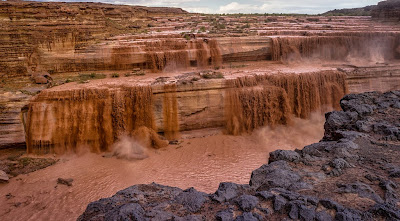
(352,174)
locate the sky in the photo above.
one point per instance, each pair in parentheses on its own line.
(249,6)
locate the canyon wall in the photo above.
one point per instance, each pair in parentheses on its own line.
(379,78)
(347,47)
(351,174)
(63,37)
(63,120)
(30,30)
(11,128)
(171,54)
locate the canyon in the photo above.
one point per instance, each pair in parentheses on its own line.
(339,178)
(151,90)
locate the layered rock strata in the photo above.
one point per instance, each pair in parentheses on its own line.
(63,120)
(31,30)
(352,174)
(11,128)
(63,37)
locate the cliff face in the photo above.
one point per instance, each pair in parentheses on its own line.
(65,37)
(11,128)
(29,30)
(171,53)
(350,47)
(352,174)
(61,121)
(387,10)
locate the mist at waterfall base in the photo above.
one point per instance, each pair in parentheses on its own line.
(201,162)
(129,149)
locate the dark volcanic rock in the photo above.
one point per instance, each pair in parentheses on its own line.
(247,202)
(228,191)
(286,155)
(224,215)
(275,174)
(352,174)
(192,199)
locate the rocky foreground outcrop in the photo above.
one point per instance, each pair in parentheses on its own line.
(352,174)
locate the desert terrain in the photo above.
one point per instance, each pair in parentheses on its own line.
(95,98)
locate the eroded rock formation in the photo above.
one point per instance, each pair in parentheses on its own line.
(66,39)
(31,32)
(368,46)
(63,120)
(352,174)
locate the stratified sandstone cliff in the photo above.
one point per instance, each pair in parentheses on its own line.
(30,30)
(352,174)
(387,10)
(66,39)
(62,120)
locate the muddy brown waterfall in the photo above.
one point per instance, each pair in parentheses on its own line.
(374,47)
(255,101)
(170,112)
(62,121)
(175,54)
(67,120)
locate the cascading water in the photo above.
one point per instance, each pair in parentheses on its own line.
(62,121)
(256,101)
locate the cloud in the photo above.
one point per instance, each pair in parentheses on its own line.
(235,7)
(205,10)
(309,6)
(248,6)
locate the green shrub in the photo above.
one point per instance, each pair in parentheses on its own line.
(215,75)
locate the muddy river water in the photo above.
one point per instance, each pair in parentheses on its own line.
(200,162)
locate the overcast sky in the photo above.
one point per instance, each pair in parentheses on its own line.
(249,6)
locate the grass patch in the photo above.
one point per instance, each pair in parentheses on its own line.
(136,73)
(237,66)
(213,75)
(84,78)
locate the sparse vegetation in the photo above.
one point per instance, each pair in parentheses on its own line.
(115,75)
(136,73)
(313,19)
(237,66)
(92,76)
(212,75)
(84,78)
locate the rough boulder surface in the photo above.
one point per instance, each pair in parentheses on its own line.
(353,173)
